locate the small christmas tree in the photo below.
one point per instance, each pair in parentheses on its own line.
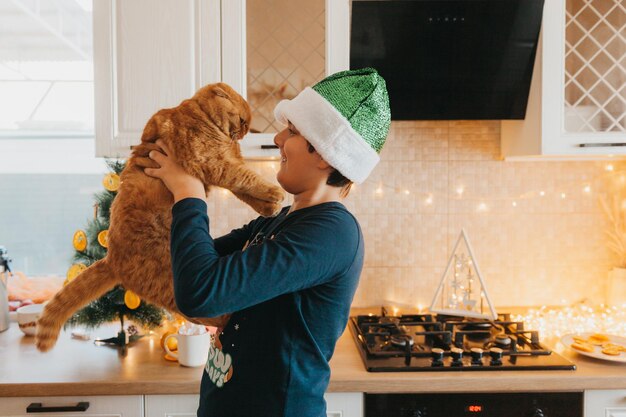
(91,246)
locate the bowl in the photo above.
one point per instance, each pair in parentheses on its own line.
(27,318)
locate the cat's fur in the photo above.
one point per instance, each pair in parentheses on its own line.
(202,132)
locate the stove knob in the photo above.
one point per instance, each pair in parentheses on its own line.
(537,412)
(437,355)
(457,356)
(477,356)
(496,356)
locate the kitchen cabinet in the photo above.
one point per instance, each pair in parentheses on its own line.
(577,103)
(171,405)
(338,405)
(344,404)
(148,55)
(152,54)
(99,406)
(605,403)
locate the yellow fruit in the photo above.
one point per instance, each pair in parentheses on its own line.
(111,182)
(131,300)
(80,240)
(103,238)
(165,334)
(172,344)
(170,358)
(75,271)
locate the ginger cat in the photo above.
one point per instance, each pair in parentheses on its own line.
(202,132)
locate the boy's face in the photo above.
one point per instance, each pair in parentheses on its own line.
(300,170)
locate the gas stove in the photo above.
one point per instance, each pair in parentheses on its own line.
(438,343)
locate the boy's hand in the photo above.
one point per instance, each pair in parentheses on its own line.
(180,183)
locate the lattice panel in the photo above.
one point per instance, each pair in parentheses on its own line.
(285,53)
(595,66)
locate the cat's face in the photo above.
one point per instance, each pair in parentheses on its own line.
(228,110)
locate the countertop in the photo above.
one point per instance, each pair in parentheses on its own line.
(78,367)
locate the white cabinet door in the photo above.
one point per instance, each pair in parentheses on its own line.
(605,403)
(344,404)
(148,55)
(577,103)
(152,54)
(264,53)
(100,406)
(171,405)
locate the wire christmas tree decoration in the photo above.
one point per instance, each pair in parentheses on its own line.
(461,294)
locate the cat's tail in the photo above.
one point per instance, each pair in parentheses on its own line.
(88,286)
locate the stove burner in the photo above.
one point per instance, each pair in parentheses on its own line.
(503,341)
(401,340)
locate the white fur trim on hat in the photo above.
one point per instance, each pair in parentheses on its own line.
(330,133)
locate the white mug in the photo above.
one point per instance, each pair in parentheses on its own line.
(193,349)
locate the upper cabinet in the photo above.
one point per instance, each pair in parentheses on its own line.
(152,54)
(577,102)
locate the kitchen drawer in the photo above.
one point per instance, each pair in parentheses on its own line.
(99,406)
(605,403)
(172,405)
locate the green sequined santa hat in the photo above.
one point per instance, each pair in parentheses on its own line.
(346,117)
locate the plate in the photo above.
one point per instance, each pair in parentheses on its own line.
(568,339)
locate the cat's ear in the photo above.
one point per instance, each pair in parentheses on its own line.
(220,93)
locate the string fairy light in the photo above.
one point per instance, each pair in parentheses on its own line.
(579,188)
(577,318)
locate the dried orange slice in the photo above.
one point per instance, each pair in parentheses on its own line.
(103,238)
(611,351)
(585,347)
(111,182)
(170,358)
(164,335)
(80,240)
(172,344)
(598,339)
(75,271)
(131,300)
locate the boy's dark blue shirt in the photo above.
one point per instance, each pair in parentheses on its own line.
(288,281)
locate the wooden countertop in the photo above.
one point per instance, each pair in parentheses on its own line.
(77,367)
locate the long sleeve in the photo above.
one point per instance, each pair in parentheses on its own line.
(236,239)
(309,251)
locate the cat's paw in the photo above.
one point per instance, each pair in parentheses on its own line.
(45,339)
(268,209)
(274,194)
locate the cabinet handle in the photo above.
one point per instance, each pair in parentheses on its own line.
(39,408)
(269,147)
(589,145)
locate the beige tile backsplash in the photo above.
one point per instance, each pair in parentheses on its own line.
(436,177)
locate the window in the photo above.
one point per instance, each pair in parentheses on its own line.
(46,69)
(48,172)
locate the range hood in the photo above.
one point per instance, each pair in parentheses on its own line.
(449,59)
